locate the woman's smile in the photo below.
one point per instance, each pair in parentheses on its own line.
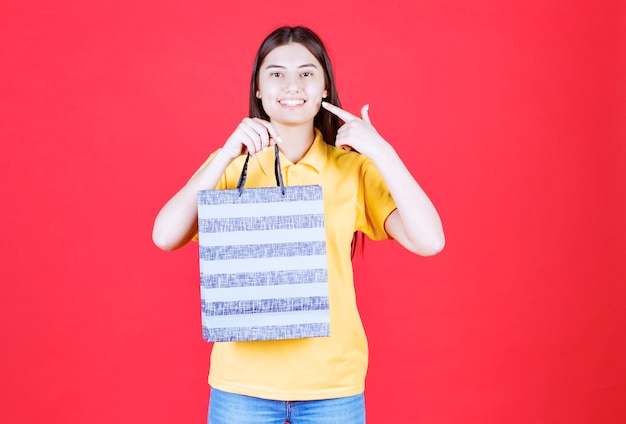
(291,103)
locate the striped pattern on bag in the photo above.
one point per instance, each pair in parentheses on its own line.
(263,270)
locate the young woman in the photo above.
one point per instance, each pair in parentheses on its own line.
(294,103)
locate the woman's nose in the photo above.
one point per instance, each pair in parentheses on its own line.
(292,85)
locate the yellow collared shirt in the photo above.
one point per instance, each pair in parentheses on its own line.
(355,199)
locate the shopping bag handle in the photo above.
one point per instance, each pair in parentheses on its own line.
(277,172)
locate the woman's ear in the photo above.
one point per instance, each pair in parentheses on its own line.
(324,94)
(258,94)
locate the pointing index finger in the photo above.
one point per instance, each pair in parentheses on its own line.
(342,114)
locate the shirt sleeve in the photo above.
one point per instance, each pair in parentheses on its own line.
(222,182)
(220,185)
(375,201)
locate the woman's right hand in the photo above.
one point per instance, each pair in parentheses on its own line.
(176,223)
(252,135)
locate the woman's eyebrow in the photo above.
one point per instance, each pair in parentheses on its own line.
(306,65)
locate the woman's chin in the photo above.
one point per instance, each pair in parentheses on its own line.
(292,119)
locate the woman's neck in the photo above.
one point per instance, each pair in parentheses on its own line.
(296,140)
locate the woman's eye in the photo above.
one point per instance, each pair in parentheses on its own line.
(275,74)
(307,74)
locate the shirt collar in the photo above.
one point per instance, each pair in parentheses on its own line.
(315,157)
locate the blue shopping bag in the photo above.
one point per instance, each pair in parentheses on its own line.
(263,269)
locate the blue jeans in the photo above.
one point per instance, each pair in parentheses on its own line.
(229,408)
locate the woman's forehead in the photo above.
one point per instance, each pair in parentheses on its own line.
(290,55)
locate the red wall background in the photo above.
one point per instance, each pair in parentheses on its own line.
(510,114)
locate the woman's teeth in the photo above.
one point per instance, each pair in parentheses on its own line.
(291,102)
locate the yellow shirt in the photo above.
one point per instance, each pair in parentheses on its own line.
(355,199)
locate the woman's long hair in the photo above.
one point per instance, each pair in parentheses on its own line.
(326,122)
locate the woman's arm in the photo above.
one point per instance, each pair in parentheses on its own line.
(177,222)
(415,224)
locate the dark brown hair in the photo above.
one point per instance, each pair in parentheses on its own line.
(325,121)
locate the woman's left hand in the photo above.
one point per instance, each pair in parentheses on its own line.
(415,223)
(357,133)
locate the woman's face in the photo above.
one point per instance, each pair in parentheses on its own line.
(291,85)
